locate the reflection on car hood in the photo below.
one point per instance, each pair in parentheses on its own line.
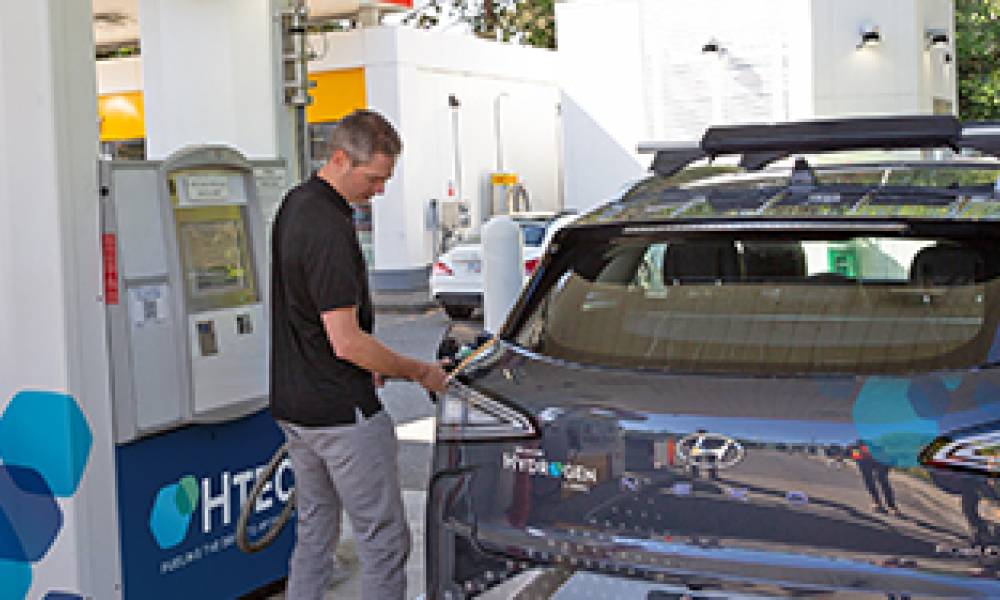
(642,481)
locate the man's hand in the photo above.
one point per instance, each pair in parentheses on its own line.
(433,378)
(350,343)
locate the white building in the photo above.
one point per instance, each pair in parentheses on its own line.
(466,108)
(667,69)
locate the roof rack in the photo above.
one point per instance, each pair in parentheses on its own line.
(759,145)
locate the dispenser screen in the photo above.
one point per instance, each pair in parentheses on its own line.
(218,268)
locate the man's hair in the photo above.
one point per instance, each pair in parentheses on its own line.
(362,134)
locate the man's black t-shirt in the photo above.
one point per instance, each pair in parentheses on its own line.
(316,266)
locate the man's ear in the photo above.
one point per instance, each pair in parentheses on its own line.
(340,160)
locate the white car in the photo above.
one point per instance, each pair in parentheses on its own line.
(456,281)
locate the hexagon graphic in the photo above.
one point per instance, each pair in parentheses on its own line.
(929,396)
(30,518)
(47,432)
(187,495)
(887,421)
(15,579)
(170,516)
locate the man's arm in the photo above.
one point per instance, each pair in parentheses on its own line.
(352,344)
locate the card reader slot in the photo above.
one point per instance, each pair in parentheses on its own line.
(208,342)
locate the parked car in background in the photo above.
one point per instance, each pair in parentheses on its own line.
(456,281)
(647,422)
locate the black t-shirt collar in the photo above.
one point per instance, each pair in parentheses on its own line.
(328,191)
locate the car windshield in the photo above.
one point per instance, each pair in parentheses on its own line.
(712,443)
(770,302)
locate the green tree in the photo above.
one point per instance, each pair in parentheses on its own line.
(534,20)
(977,42)
(529,22)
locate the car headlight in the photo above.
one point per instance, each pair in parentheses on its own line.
(467,415)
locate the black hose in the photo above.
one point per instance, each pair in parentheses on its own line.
(243,541)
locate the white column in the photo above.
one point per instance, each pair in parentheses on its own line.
(211,76)
(396,214)
(503,270)
(52,336)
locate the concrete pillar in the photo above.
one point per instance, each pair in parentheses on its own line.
(503,270)
(211,76)
(54,393)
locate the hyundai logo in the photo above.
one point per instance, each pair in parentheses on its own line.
(712,450)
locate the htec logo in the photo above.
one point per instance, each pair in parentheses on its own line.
(221,497)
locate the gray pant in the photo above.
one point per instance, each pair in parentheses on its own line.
(353,467)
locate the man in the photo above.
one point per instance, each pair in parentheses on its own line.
(325,366)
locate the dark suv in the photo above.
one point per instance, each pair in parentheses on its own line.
(744,381)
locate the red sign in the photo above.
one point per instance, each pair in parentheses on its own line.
(109,243)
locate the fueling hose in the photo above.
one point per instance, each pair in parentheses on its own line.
(243,541)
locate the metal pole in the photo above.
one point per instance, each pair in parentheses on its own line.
(498,124)
(303,148)
(295,76)
(456,142)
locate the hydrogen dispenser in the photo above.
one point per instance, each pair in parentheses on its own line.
(185,276)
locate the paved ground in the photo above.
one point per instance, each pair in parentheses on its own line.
(415,332)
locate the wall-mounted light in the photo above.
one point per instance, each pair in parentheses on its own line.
(711,47)
(936,38)
(870,37)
